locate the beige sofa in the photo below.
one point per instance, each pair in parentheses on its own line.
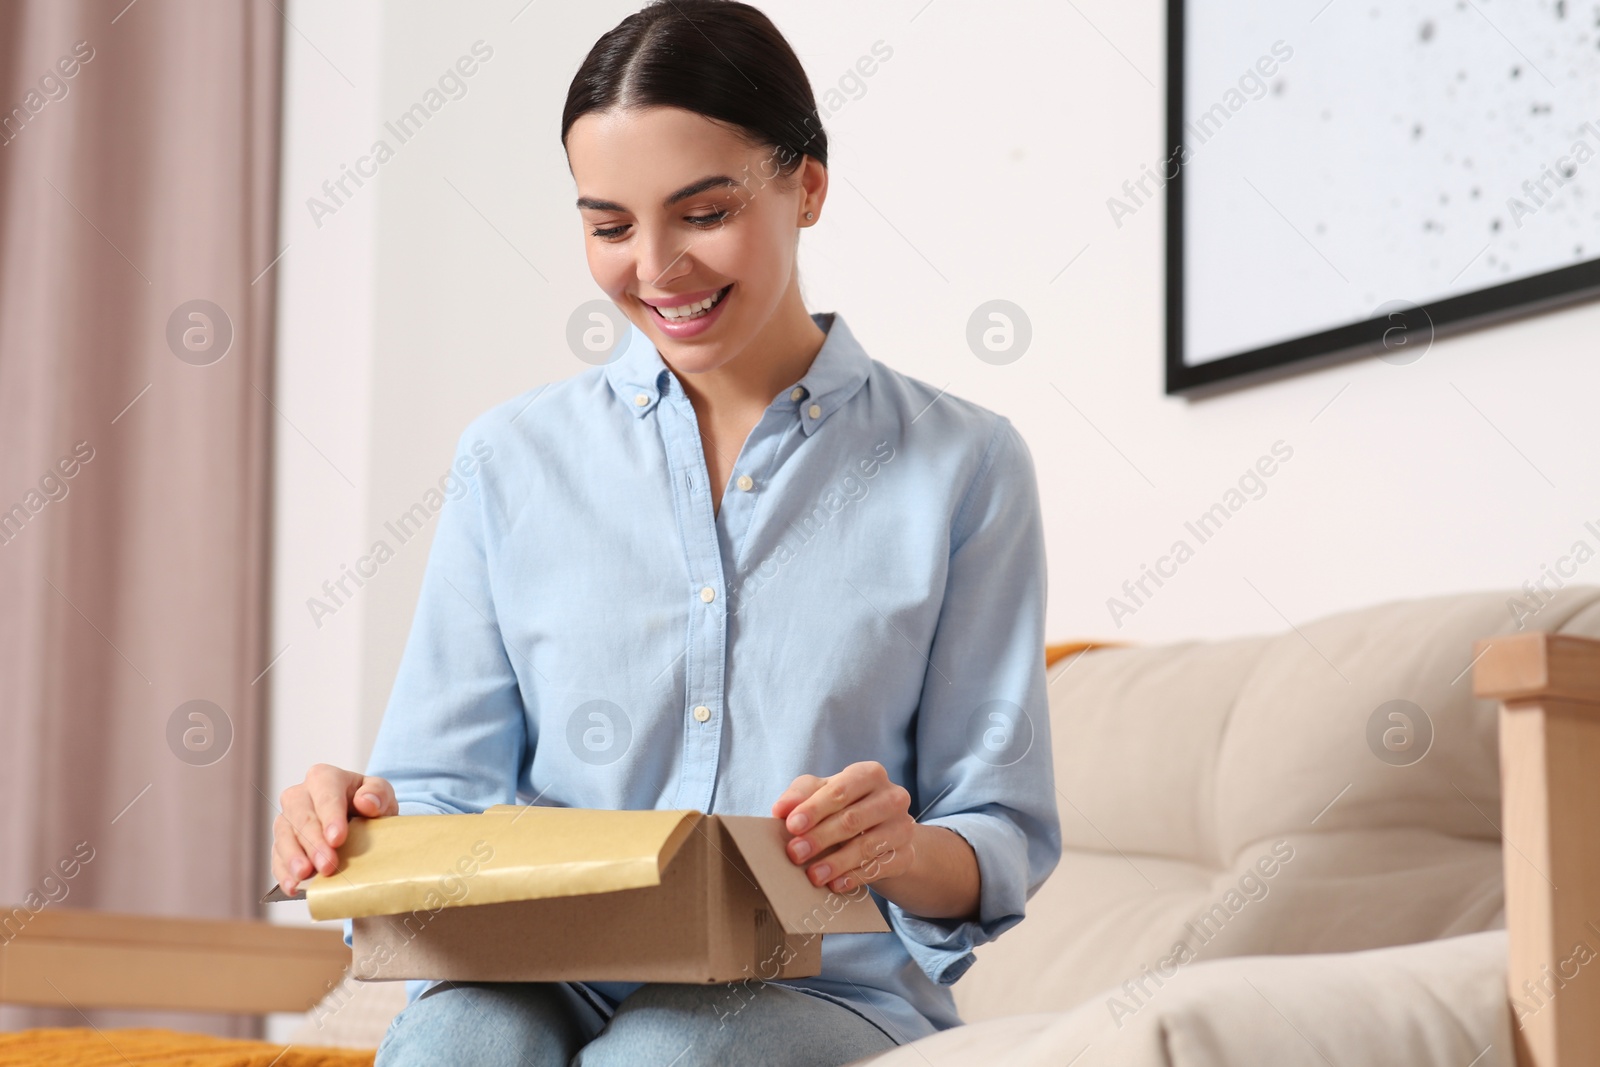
(1181,768)
(1262,864)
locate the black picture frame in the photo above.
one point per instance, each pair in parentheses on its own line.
(1414,324)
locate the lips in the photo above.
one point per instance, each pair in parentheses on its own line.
(657,303)
(682,329)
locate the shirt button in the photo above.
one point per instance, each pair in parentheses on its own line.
(746,482)
(642,399)
(702,713)
(815,410)
(796,393)
(708,594)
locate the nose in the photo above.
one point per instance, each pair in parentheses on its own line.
(662,259)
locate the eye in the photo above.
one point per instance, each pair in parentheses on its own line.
(704,222)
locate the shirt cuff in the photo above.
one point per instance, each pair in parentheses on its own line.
(943,947)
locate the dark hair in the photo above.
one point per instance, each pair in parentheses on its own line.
(718,58)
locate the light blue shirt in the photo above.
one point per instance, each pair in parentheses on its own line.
(589,634)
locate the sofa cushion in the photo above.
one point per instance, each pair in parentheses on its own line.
(1437,1004)
(1240,797)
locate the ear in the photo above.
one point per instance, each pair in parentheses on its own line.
(813,178)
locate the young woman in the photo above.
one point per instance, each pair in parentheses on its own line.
(742,568)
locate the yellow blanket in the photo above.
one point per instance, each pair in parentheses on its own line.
(84,1047)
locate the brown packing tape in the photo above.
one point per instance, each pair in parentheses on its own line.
(404,863)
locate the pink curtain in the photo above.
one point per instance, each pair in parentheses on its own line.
(138,190)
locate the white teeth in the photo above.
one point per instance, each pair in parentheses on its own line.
(688,311)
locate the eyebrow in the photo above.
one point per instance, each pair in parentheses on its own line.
(692,189)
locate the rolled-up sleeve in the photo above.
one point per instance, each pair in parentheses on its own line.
(984,766)
(454,733)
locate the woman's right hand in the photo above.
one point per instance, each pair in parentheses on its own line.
(315,815)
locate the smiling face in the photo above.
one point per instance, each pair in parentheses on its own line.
(676,209)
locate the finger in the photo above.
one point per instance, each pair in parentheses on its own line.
(798,790)
(292,865)
(374,798)
(861,861)
(289,862)
(302,821)
(331,790)
(837,792)
(289,865)
(849,856)
(876,807)
(857,877)
(309,816)
(308,832)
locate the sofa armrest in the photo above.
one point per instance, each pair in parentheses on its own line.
(1549,689)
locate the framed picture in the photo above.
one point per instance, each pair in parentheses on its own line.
(1350,178)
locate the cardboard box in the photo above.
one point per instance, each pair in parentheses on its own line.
(531,893)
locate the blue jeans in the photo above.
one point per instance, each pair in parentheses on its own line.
(551,1024)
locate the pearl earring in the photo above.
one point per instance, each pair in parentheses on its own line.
(810,216)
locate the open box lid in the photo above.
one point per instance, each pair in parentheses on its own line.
(402,863)
(508,852)
(799,906)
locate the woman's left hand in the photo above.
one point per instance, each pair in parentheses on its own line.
(853,827)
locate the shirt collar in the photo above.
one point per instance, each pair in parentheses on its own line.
(640,377)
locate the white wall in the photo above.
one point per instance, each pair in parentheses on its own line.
(976,165)
(322,456)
